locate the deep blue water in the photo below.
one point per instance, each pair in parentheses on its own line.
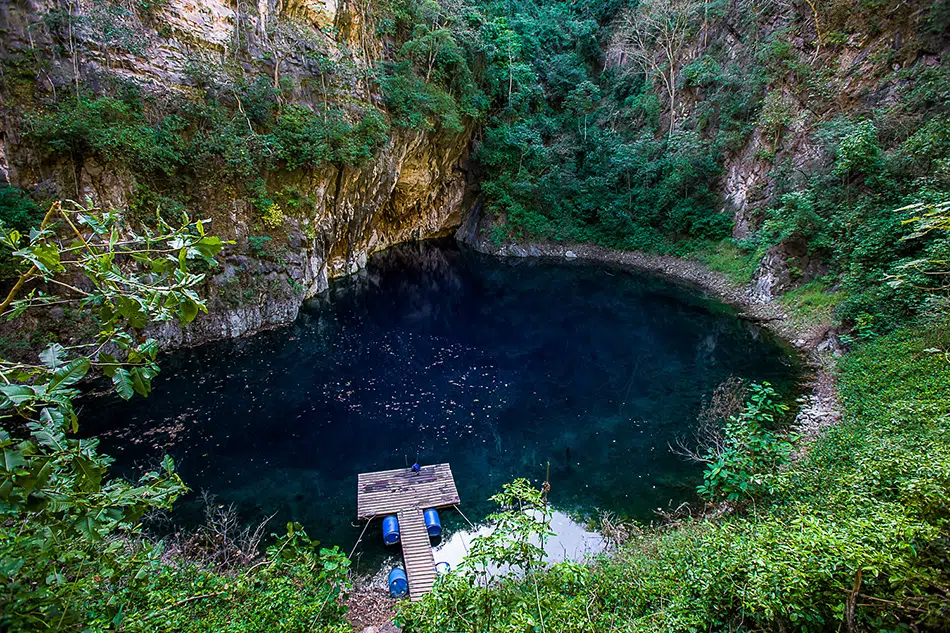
(435,353)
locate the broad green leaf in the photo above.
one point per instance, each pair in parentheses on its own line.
(10,566)
(54,439)
(189,310)
(43,474)
(122,381)
(109,364)
(12,459)
(52,416)
(140,381)
(17,394)
(44,256)
(14,236)
(90,473)
(53,356)
(87,526)
(208,247)
(132,311)
(70,374)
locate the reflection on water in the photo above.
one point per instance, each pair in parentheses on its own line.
(499,367)
(571,541)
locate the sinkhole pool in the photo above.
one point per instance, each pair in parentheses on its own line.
(438,353)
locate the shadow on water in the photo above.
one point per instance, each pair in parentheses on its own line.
(435,352)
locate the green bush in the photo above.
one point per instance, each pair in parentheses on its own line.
(199,141)
(417,104)
(307,139)
(752,449)
(20,212)
(17,209)
(110,129)
(297,585)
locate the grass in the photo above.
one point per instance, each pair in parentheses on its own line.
(813,302)
(727,257)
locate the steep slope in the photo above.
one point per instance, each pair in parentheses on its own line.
(266,117)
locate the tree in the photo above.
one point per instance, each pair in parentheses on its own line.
(928,269)
(655,35)
(66,531)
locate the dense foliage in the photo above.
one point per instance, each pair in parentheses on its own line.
(751,449)
(606,121)
(611,122)
(570,150)
(72,552)
(197,143)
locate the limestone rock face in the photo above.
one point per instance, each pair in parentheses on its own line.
(319,13)
(411,188)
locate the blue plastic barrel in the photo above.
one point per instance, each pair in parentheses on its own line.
(433,525)
(442,567)
(390,530)
(398,583)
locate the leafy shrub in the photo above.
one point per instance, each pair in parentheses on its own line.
(110,129)
(67,529)
(297,585)
(858,152)
(417,104)
(73,555)
(17,209)
(752,449)
(304,138)
(272,216)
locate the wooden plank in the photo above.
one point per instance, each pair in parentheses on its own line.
(416,552)
(388,491)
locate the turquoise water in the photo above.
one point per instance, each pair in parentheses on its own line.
(435,353)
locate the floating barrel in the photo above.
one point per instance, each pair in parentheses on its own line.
(391,530)
(433,525)
(398,583)
(442,567)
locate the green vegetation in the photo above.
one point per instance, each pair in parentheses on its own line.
(205,140)
(750,449)
(73,554)
(600,121)
(814,302)
(579,147)
(19,212)
(852,535)
(728,257)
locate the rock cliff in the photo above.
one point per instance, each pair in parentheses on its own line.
(317,54)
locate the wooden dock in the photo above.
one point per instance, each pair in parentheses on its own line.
(416,552)
(406,494)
